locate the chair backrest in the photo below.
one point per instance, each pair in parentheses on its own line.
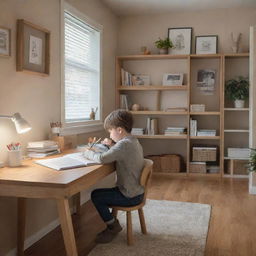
(145,176)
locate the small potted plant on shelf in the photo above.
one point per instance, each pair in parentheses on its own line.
(163,45)
(252,172)
(237,89)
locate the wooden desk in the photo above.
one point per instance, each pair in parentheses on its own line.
(34,181)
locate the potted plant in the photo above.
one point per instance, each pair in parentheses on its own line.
(252,172)
(237,89)
(163,45)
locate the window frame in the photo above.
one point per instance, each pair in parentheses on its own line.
(69,128)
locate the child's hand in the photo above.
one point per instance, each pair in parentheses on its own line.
(107,142)
(89,149)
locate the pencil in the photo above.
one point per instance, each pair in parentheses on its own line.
(95,143)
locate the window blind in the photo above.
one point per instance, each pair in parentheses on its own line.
(82,69)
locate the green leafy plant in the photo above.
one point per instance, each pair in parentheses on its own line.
(237,88)
(252,161)
(164,43)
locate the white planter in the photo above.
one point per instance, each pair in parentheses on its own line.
(239,103)
(163,51)
(252,183)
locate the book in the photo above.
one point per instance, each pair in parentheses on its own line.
(41,144)
(43,150)
(124,102)
(69,161)
(43,154)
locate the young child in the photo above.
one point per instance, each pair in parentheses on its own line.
(128,155)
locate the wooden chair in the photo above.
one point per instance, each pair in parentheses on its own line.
(144,181)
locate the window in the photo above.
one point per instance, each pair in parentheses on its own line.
(82,71)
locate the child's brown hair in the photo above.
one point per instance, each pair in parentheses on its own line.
(119,118)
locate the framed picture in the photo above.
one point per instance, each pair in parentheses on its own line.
(206,44)
(181,39)
(5,42)
(140,80)
(206,81)
(173,79)
(33,48)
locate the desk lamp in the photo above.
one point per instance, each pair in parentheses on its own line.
(21,124)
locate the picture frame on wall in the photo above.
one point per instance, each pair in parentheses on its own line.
(206,44)
(33,48)
(173,79)
(5,42)
(181,39)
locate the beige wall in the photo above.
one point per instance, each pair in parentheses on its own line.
(38,98)
(137,31)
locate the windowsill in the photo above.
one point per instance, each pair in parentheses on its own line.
(88,128)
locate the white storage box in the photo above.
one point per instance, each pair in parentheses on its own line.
(239,152)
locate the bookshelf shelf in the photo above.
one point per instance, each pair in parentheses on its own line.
(153,57)
(204,137)
(235,130)
(235,158)
(178,137)
(206,113)
(153,88)
(205,56)
(236,109)
(237,55)
(179,113)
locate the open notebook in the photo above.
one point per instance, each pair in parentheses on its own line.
(68,161)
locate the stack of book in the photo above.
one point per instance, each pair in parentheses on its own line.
(175,131)
(137,131)
(152,127)
(193,127)
(39,149)
(205,132)
(197,107)
(239,152)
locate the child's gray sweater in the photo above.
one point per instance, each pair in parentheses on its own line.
(128,155)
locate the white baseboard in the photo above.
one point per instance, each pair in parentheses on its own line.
(36,236)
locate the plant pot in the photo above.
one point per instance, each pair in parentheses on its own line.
(163,51)
(252,183)
(239,103)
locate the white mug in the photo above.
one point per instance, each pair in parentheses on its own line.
(14,158)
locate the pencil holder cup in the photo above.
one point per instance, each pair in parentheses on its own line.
(14,158)
(55,129)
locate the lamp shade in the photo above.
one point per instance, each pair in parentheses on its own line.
(21,124)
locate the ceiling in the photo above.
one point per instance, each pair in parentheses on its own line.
(142,7)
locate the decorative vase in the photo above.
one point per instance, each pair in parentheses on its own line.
(163,51)
(135,107)
(239,103)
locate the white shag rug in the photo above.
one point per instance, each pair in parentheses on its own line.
(174,229)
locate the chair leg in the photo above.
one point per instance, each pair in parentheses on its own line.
(129,228)
(114,212)
(142,221)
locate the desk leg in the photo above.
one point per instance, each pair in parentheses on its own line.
(67,227)
(21,221)
(77,199)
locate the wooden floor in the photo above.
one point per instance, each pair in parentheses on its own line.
(232,230)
